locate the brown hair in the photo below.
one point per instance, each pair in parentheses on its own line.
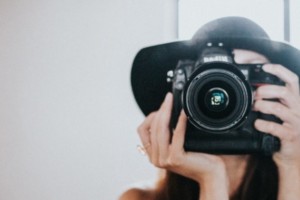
(260,182)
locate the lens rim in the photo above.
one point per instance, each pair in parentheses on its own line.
(224,72)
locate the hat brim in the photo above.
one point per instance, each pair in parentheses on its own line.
(151,64)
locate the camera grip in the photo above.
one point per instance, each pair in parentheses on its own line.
(230,143)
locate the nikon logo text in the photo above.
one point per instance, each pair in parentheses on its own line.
(216,58)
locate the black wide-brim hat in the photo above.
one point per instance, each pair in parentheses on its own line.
(151,64)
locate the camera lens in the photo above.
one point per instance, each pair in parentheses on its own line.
(217,98)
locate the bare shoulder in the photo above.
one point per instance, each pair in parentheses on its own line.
(136,194)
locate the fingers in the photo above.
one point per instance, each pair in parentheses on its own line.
(160,131)
(287,109)
(163,131)
(275,108)
(288,94)
(290,78)
(144,132)
(154,146)
(284,133)
(285,95)
(156,131)
(176,154)
(179,133)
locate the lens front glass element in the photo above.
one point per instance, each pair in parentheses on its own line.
(215,101)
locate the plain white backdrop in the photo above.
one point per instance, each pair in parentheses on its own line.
(67,115)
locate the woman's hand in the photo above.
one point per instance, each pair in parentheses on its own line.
(167,152)
(287,109)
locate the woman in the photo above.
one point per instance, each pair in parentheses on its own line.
(195,175)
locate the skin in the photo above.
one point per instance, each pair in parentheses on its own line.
(218,176)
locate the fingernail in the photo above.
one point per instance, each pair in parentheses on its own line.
(182,112)
(168,97)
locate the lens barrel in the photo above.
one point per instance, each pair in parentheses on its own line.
(217,98)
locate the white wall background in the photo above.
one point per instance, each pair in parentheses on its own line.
(67,115)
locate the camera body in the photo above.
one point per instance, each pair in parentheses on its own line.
(217,95)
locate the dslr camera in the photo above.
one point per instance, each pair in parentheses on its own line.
(216,94)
